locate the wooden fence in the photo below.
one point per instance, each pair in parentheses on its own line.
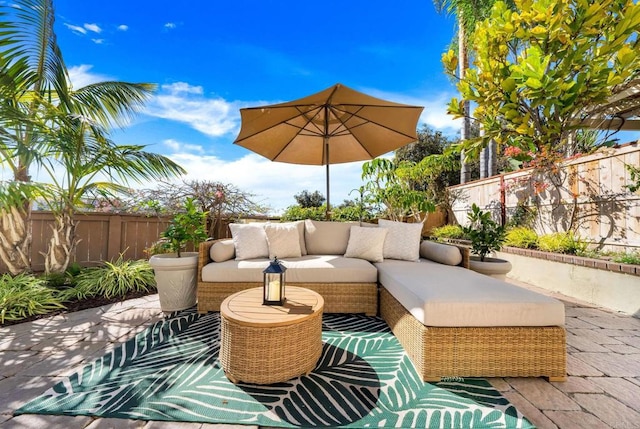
(103,237)
(587,195)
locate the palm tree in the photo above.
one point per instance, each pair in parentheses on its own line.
(468,13)
(46,123)
(31,70)
(90,162)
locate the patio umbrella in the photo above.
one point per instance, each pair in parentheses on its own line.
(333,126)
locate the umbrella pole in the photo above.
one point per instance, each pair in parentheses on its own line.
(326,151)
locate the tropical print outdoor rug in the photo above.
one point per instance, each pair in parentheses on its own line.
(364,378)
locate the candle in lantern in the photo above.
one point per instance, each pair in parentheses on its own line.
(273,293)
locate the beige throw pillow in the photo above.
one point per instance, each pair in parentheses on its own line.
(366,243)
(327,238)
(440,252)
(249,240)
(283,240)
(403,240)
(222,250)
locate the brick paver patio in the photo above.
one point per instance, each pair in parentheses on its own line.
(602,391)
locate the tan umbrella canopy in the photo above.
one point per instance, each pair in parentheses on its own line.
(333,126)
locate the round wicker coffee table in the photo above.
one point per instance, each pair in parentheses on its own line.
(264,344)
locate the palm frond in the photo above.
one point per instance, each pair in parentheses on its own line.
(111,102)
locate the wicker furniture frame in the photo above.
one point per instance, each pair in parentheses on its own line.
(264,344)
(440,352)
(338,297)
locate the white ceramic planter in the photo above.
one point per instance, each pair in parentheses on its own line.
(493,267)
(176,279)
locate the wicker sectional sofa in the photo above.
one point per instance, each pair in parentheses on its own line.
(452,322)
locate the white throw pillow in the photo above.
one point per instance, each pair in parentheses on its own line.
(250,240)
(300,225)
(440,252)
(283,240)
(403,240)
(222,250)
(366,243)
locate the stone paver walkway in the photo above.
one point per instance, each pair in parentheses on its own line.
(602,391)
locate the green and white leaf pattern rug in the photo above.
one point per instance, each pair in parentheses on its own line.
(364,378)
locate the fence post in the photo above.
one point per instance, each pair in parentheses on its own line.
(503,202)
(114,237)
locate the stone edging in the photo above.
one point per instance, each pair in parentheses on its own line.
(600,264)
(576,260)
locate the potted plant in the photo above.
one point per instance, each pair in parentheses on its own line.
(486,237)
(176,271)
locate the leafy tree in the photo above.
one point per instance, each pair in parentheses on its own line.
(221,201)
(389,185)
(539,69)
(306,199)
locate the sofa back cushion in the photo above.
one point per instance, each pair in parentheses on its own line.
(327,238)
(440,252)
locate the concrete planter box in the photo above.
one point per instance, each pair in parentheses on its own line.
(611,285)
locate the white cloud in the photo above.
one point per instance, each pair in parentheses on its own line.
(273,183)
(98,41)
(435,108)
(75,28)
(93,27)
(177,147)
(184,103)
(170,26)
(81,76)
(178,87)
(123,27)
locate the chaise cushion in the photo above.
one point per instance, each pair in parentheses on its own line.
(446,296)
(327,238)
(307,269)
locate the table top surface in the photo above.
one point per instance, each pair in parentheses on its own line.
(246,308)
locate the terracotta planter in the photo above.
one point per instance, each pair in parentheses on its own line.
(176,279)
(493,267)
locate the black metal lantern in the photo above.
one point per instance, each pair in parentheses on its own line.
(273,293)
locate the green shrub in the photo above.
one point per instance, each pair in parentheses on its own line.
(448,231)
(114,279)
(522,237)
(301,213)
(25,295)
(562,242)
(627,258)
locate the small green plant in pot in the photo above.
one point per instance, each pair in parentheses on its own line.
(486,236)
(176,272)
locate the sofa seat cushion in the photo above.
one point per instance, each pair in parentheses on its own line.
(306,269)
(447,296)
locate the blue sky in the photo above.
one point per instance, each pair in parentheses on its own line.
(211,58)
